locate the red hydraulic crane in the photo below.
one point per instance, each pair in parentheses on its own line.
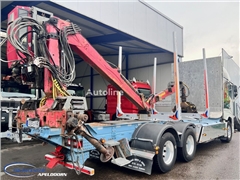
(36,44)
(55,39)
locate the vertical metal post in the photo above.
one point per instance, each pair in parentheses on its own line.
(223,84)
(126,57)
(223,64)
(176,80)
(10,110)
(206,85)
(154,78)
(120,59)
(91,88)
(120,71)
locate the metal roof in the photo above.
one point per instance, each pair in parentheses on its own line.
(104,38)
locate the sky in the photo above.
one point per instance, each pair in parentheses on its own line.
(209,25)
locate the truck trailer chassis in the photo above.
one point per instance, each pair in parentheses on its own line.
(135,144)
(149,141)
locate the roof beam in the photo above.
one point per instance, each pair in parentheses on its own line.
(110,38)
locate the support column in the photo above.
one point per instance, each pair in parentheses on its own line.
(91,88)
(126,73)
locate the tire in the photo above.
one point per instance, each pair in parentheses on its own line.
(237,123)
(187,152)
(229,134)
(167,154)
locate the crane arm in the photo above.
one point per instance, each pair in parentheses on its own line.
(85,50)
(167,92)
(161,95)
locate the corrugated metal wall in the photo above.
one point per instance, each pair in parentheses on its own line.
(192,74)
(134,18)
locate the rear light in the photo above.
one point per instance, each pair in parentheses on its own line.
(74,143)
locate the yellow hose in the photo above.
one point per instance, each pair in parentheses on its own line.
(59,88)
(42,102)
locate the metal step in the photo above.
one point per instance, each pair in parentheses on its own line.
(120,161)
(111,143)
(144,154)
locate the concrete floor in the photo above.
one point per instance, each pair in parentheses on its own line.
(214,160)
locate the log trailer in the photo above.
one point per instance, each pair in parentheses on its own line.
(39,51)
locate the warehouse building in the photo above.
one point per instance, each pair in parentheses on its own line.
(143,33)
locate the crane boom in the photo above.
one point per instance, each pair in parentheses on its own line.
(85,50)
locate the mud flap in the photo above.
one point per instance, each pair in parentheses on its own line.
(140,164)
(137,163)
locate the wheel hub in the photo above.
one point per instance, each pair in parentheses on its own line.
(168,152)
(190,145)
(229,131)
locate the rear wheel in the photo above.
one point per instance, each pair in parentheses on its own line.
(237,123)
(165,159)
(229,134)
(187,152)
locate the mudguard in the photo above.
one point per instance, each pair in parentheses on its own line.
(148,135)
